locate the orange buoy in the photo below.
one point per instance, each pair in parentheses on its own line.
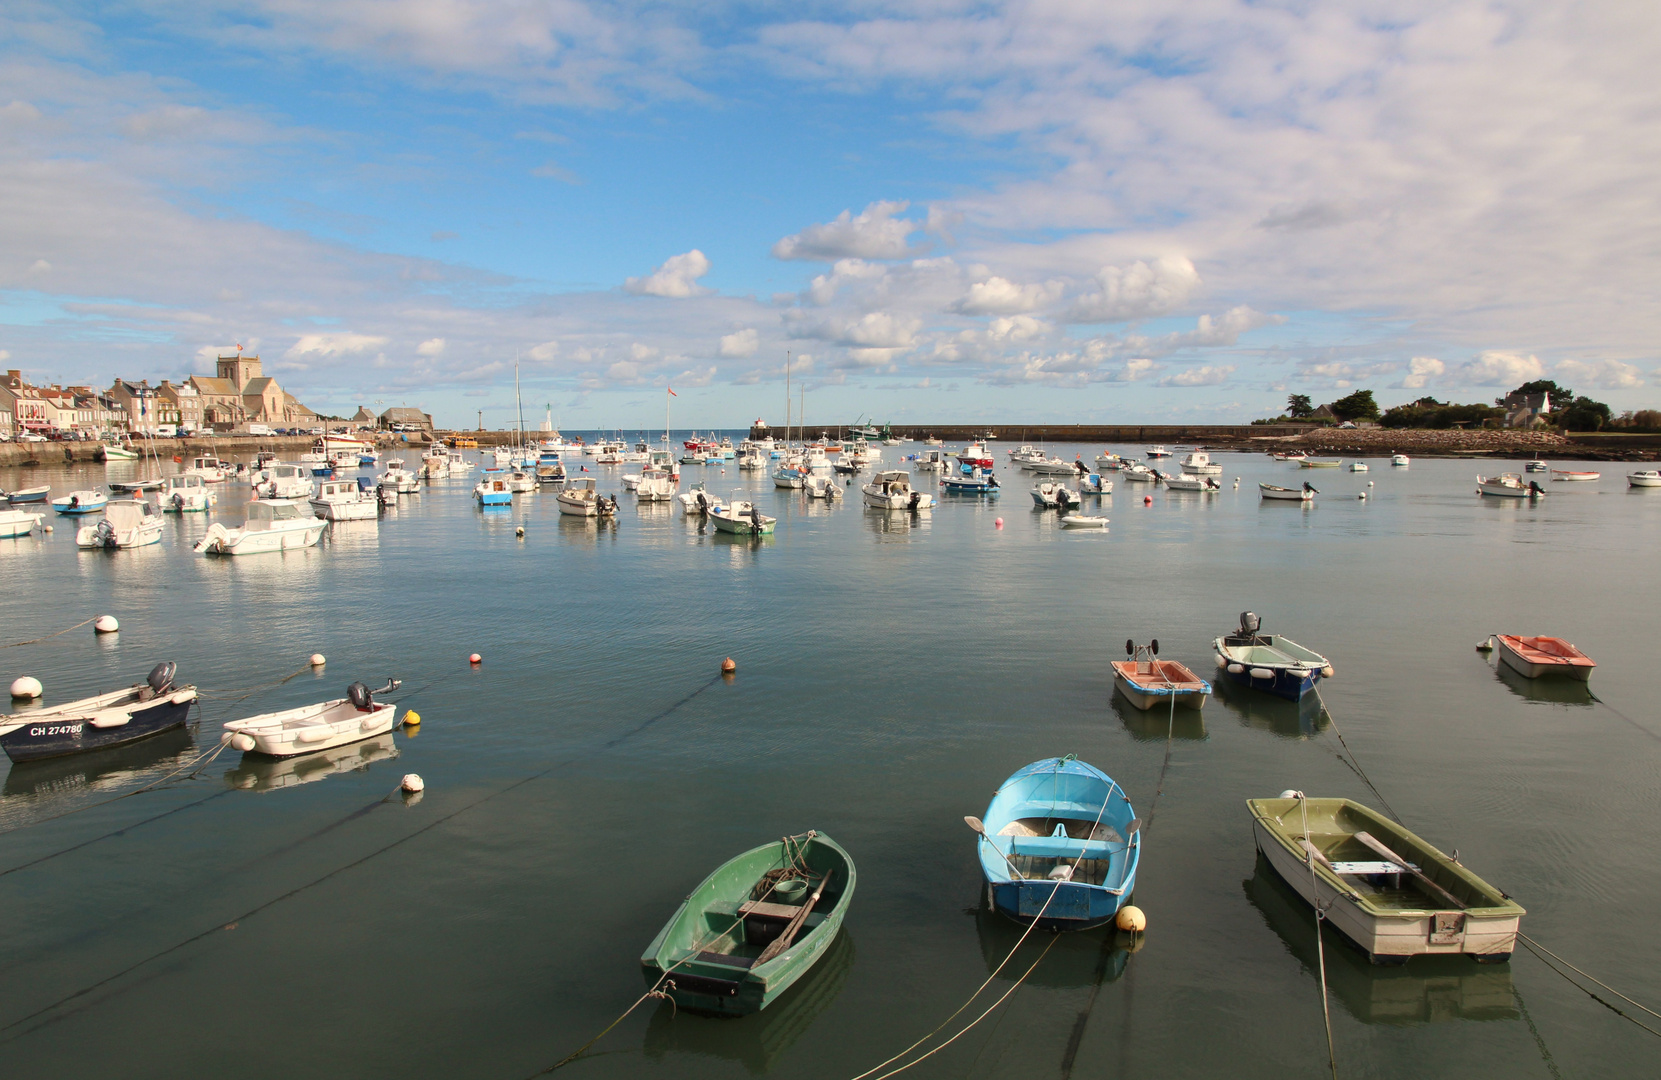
(998,524)
(728,666)
(475,659)
(1147,500)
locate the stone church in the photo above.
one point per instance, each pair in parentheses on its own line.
(240,394)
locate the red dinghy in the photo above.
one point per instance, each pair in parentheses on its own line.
(1537,656)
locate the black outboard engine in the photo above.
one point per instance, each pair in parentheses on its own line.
(703,504)
(178,502)
(106,534)
(363,698)
(755,518)
(916,497)
(160,678)
(1249,624)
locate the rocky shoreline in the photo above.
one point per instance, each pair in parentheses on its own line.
(1418,442)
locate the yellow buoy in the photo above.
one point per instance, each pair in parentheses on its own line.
(412,719)
(1131,919)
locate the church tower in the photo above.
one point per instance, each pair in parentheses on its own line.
(238,369)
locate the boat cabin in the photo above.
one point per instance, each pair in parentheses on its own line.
(184,481)
(269,514)
(893,483)
(129,513)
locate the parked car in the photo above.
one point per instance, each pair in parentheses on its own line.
(29,436)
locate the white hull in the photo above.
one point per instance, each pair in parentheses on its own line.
(223,541)
(1524,666)
(1286,495)
(1505,491)
(311,728)
(655,489)
(356,510)
(1403,935)
(17,523)
(1185,699)
(138,536)
(1639,479)
(925,501)
(1083,521)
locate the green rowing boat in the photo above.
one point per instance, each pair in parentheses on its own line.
(753,927)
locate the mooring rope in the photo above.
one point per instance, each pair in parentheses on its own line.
(249,691)
(1320,943)
(49,637)
(1354,762)
(1541,952)
(1623,716)
(199,762)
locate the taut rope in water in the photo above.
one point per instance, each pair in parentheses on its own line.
(1320,943)
(49,637)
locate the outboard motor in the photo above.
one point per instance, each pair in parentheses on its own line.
(178,502)
(160,678)
(755,517)
(1249,623)
(106,534)
(916,497)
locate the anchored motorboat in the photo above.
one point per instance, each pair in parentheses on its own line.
(1108,461)
(1158,452)
(1643,478)
(969,480)
(350,719)
(272,525)
(81,502)
(581,498)
(345,500)
(821,487)
(1580,475)
(29,495)
(1272,663)
(1187,482)
(742,517)
(1541,656)
(280,481)
(1137,473)
(14,523)
(209,468)
(931,461)
(94,723)
(492,489)
(187,495)
(1509,486)
(1075,520)
(1321,463)
(1358,466)
(1147,681)
(549,468)
(1400,460)
(696,500)
(1285,494)
(1536,466)
(1052,466)
(127,523)
(398,480)
(892,490)
(1053,496)
(1199,463)
(1059,845)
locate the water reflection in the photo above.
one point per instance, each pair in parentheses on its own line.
(896,524)
(255,772)
(1426,990)
(758,1041)
(115,767)
(1255,709)
(1076,960)
(1151,725)
(353,535)
(1544,691)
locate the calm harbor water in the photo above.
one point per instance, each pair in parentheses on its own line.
(269,919)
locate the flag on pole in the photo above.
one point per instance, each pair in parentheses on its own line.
(672,392)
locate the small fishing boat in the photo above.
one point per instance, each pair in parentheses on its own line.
(1107,461)
(1147,681)
(187,495)
(1094,484)
(1272,663)
(581,498)
(975,455)
(549,468)
(753,927)
(94,723)
(1358,466)
(698,501)
(893,491)
(1392,893)
(743,518)
(398,480)
(280,481)
(345,500)
(350,719)
(521,481)
(1320,463)
(1286,494)
(14,523)
(1024,453)
(1051,496)
(1050,467)
(1199,463)
(1509,486)
(932,461)
(492,489)
(751,458)
(1059,845)
(29,495)
(1158,452)
(790,475)
(135,487)
(824,487)
(1295,455)
(1580,475)
(127,523)
(1643,478)
(209,468)
(1138,473)
(272,525)
(81,502)
(1536,466)
(1186,482)
(1401,460)
(654,485)
(118,450)
(1075,520)
(1542,656)
(367,459)
(969,480)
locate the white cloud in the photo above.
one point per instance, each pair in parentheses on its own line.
(739,343)
(875,234)
(431,347)
(1420,370)
(330,346)
(1199,376)
(1603,374)
(545,352)
(1137,291)
(1000,296)
(873,330)
(1496,368)
(550,170)
(824,287)
(1016,329)
(676,278)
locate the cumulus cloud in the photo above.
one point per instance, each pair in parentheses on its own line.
(873,330)
(1420,370)
(1603,374)
(1199,376)
(1138,291)
(431,347)
(874,234)
(1000,296)
(824,287)
(1496,368)
(739,343)
(328,346)
(676,278)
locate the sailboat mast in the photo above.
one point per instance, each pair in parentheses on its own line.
(519,403)
(787,399)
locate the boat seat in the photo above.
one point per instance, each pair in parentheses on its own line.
(1061,847)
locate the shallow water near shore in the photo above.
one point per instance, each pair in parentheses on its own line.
(271,918)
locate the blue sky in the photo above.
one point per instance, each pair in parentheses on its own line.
(1018,212)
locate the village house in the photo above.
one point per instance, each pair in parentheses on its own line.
(1526,410)
(406,419)
(241,394)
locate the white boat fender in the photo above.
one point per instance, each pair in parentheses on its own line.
(1220,661)
(26,688)
(1262,673)
(314,734)
(181,697)
(1131,919)
(412,782)
(243,741)
(1062,872)
(1326,672)
(1235,669)
(110,718)
(1291,793)
(105,624)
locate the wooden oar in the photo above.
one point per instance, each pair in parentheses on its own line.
(784,940)
(1435,889)
(976,824)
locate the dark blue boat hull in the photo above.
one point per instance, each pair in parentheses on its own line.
(1286,684)
(1076,906)
(56,736)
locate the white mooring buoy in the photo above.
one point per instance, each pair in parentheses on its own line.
(318,659)
(27,688)
(413,783)
(105,624)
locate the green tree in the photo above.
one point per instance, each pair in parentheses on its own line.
(1357,406)
(1298,406)
(1561,396)
(1583,414)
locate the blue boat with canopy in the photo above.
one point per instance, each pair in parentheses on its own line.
(1060,845)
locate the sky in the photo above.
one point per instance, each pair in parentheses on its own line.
(934,211)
